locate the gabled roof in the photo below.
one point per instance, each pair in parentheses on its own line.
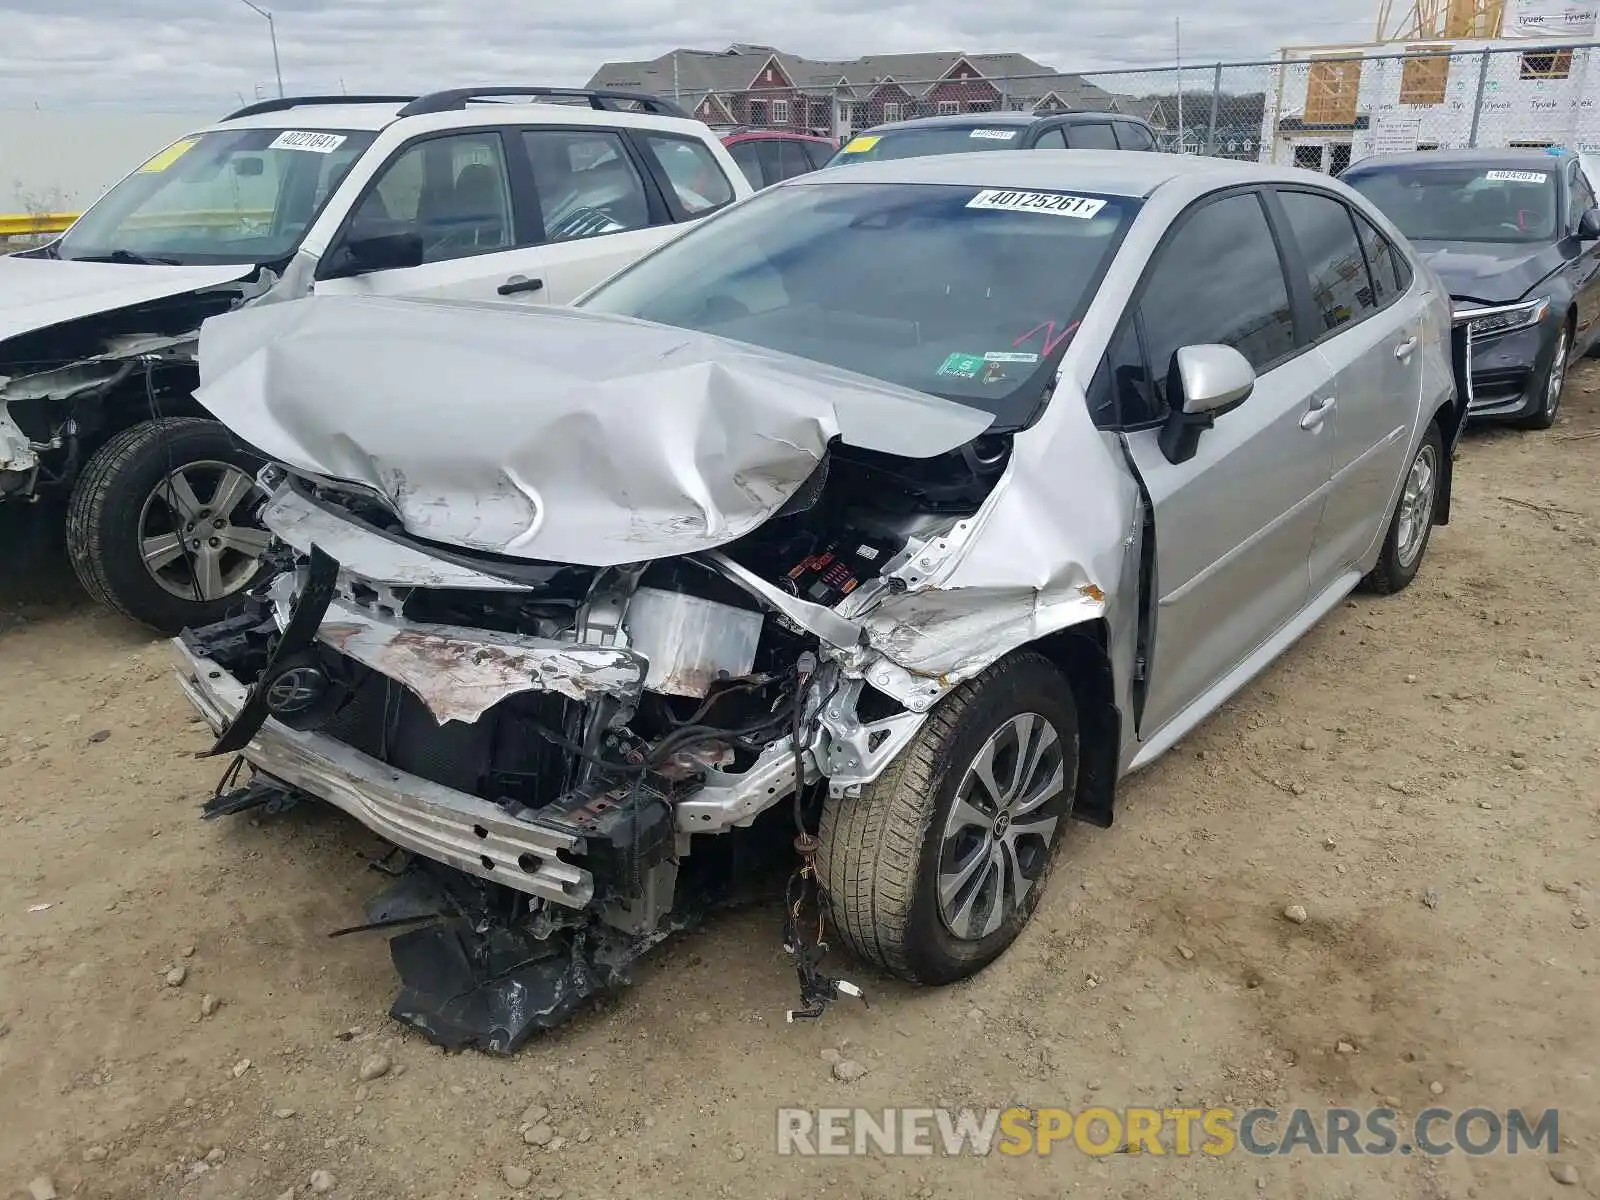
(691,73)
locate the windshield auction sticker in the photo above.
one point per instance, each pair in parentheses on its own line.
(1054,203)
(168,156)
(994,135)
(1517,177)
(861,144)
(316,143)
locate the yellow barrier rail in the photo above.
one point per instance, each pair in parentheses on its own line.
(37,224)
(34,224)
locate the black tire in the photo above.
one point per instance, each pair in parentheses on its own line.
(1396,568)
(108,515)
(881,852)
(1550,388)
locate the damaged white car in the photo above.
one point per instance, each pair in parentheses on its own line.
(896,514)
(527,192)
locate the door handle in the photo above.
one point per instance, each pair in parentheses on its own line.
(1318,414)
(1404,349)
(519,283)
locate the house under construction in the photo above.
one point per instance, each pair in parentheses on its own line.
(1441,74)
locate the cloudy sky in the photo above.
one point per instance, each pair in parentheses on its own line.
(199,55)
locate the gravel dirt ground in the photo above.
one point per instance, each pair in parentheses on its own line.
(1419,773)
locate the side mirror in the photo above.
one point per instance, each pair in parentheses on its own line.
(1589,226)
(1203,382)
(368,250)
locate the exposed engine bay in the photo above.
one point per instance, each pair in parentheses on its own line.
(69,378)
(585,728)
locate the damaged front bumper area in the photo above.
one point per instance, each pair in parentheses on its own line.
(562,736)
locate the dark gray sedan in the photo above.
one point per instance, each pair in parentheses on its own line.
(1515,236)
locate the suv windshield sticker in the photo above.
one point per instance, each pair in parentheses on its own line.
(1517,177)
(1010,356)
(860,145)
(1056,204)
(316,143)
(998,135)
(962,366)
(168,156)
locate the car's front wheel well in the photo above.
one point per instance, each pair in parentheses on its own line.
(1081,653)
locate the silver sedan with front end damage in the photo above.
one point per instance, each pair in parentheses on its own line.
(898,512)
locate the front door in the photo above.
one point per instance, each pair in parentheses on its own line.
(1584,258)
(1234,525)
(454,190)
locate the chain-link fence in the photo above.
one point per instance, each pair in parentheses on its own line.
(1321,109)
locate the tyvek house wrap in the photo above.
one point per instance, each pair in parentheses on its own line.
(549,433)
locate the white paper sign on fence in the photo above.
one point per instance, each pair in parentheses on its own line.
(1394,133)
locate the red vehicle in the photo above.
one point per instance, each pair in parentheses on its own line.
(767,156)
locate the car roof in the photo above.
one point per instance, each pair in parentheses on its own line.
(1131,173)
(990,120)
(1460,158)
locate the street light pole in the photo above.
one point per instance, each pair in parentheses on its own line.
(272,32)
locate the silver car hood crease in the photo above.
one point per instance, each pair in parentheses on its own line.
(550,434)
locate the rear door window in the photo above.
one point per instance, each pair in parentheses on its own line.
(1326,234)
(1092,135)
(1390,275)
(1051,139)
(586,183)
(692,177)
(1133,137)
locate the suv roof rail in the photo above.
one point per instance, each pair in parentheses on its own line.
(599,98)
(285,103)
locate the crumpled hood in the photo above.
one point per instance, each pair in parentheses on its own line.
(36,293)
(1489,272)
(549,433)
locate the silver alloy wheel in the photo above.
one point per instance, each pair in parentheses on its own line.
(1558,375)
(996,841)
(202,549)
(1416,504)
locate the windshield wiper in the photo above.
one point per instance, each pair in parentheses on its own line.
(128,256)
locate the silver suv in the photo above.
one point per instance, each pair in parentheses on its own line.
(531,194)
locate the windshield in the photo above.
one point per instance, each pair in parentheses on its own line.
(1463,204)
(230,196)
(963,292)
(919,142)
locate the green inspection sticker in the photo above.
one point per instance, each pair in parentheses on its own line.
(963,366)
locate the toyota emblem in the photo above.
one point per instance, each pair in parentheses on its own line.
(296,690)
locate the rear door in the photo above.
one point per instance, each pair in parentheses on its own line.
(1234,525)
(595,204)
(1371,334)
